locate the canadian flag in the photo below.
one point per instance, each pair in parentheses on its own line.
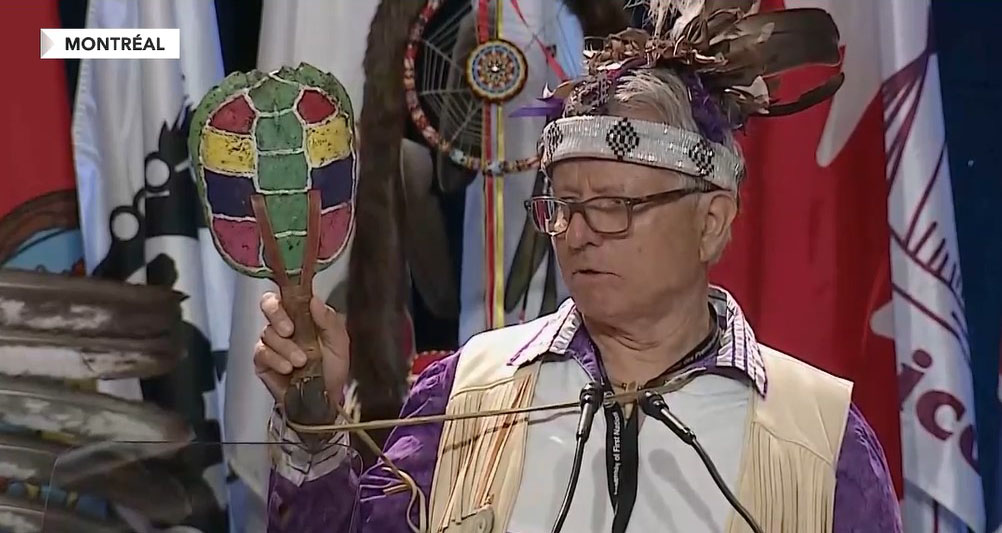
(846,253)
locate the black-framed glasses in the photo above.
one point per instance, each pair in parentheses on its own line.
(607,215)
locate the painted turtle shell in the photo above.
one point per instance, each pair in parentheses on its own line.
(279,134)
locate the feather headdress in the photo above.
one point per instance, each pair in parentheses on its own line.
(726,51)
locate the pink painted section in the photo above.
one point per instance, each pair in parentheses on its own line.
(334,228)
(241,240)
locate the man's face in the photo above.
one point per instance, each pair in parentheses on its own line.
(630,274)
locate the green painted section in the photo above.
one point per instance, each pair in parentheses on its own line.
(282,172)
(287,211)
(273,95)
(292,247)
(280,132)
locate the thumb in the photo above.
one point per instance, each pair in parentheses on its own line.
(330,326)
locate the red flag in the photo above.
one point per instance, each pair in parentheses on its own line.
(809,260)
(39,226)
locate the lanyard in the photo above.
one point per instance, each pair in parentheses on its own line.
(621,460)
(622,454)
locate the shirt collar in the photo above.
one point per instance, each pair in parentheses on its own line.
(562,335)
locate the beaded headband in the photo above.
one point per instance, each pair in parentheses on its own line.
(642,142)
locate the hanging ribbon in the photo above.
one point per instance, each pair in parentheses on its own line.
(551,60)
(492,149)
(497,184)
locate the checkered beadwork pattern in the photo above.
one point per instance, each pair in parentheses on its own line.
(642,142)
(622,138)
(701,154)
(552,138)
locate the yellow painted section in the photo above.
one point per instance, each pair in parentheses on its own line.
(227,153)
(328,141)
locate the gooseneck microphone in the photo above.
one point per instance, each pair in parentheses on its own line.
(655,407)
(591,400)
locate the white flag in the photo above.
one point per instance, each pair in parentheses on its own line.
(140,215)
(943,490)
(332,37)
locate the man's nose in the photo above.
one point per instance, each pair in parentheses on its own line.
(579,234)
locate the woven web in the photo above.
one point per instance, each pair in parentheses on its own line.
(446,98)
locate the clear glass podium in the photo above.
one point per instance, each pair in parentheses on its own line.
(121,487)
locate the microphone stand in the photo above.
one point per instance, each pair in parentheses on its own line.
(655,407)
(591,399)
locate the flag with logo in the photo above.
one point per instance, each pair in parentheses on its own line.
(331,36)
(846,254)
(140,213)
(39,227)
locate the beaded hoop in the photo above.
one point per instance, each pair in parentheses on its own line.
(496,71)
(489,91)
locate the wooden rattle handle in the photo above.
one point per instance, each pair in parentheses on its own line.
(306,399)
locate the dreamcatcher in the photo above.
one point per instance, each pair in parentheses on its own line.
(465,64)
(419,50)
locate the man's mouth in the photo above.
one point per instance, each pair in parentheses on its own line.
(589,271)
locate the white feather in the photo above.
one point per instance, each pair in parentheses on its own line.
(688,10)
(678,13)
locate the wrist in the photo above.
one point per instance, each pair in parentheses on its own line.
(294,461)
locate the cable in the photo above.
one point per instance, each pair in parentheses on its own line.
(591,399)
(655,407)
(675,384)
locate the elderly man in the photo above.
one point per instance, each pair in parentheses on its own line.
(644,176)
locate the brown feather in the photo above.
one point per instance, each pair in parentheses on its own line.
(377,290)
(425,240)
(808,99)
(789,39)
(549,303)
(529,254)
(741,6)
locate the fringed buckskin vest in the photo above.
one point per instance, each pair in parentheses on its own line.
(787,472)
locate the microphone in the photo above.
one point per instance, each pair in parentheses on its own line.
(655,407)
(591,399)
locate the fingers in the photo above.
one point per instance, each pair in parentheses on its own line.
(268,360)
(285,348)
(324,316)
(271,306)
(272,369)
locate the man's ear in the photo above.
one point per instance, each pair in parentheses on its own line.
(720,208)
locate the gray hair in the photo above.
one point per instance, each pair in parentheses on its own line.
(662,93)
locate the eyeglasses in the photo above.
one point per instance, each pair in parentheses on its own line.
(607,215)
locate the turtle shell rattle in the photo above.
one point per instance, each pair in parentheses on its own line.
(274,156)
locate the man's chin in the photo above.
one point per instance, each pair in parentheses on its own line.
(596,302)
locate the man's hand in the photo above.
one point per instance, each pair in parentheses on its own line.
(276,355)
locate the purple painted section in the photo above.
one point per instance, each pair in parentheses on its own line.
(336,181)
(229,195)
